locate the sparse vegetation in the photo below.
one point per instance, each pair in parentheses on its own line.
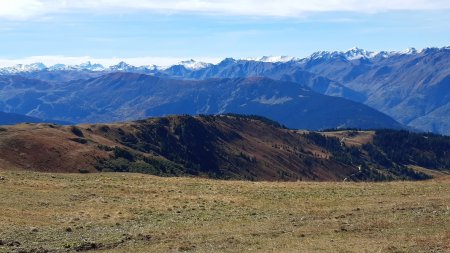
(79,140)
(256,117)
(224,147)
(373,164)
(116,212)
(426,150)
(76,131)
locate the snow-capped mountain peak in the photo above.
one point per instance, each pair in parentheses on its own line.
(382,55)
(58,66)
(277,59)
(227,61)
(83,66)
(358,53)
(89,66)
(121,66)
(38,66)
(193,64)
(410,50)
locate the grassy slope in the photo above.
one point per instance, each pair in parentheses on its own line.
(141,213)
(221,147)
(239,149)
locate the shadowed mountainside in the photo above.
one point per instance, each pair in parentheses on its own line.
(129,96)
(410,86)
(13,118)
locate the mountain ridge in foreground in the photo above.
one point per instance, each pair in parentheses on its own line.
(223,147)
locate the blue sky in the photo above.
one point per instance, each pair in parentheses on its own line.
(157,32)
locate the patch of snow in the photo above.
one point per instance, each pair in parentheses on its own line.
(272,101)
(83,66)
(277,59)
(383,54)
(154,67)
(194,65)
(121,66)
(35,66)
(410,50)
(89,66)
(59,67)
(358,53)
(272,59)
(227,61)
(24,68)
(351,54)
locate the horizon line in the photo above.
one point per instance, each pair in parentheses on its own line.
(158,61)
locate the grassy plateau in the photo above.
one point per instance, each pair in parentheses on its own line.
(115,212)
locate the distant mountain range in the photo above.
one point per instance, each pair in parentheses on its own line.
(351,54)
(126,96)
(412,86)
(13,118)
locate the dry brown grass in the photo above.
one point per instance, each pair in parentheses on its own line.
(244,149)
(352,139)
(140,213)
(46,147)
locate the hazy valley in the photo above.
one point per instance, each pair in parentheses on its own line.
(410,86)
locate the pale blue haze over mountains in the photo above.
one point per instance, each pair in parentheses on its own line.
(133,47)
(412,87)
